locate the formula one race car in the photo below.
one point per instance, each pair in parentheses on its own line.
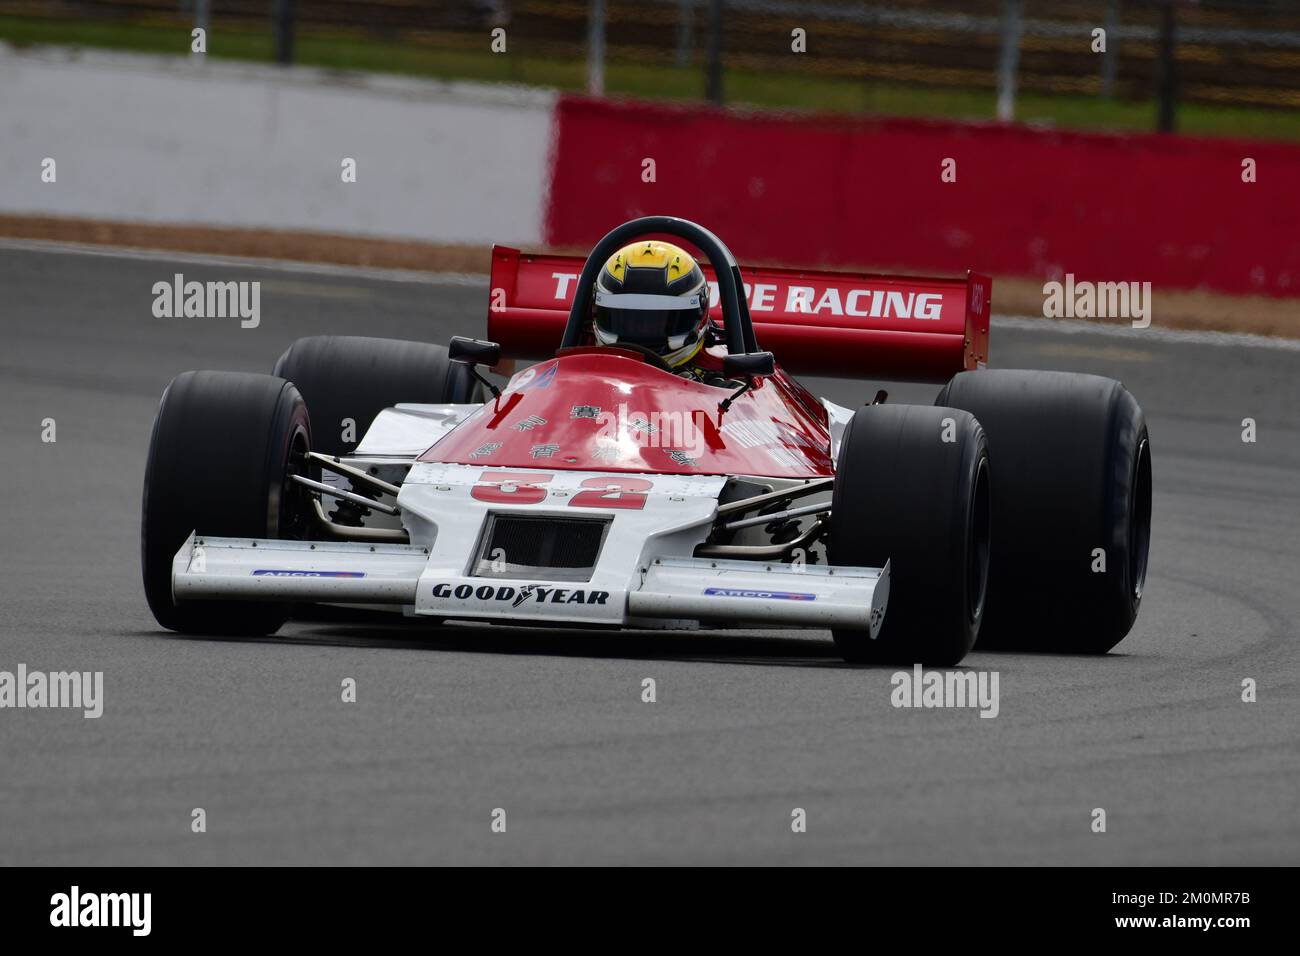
(600,488)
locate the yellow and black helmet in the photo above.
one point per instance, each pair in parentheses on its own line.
(653,294)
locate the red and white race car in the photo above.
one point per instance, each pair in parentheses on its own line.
(599,488)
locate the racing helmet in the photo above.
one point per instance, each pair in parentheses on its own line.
(653,294)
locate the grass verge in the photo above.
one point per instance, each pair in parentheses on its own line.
(459,56)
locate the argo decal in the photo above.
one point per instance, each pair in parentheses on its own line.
(761,595)
(280,573)
(524,594)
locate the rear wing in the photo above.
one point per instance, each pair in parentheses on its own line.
(845,324)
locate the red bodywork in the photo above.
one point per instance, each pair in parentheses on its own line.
(904,328)
(608,410)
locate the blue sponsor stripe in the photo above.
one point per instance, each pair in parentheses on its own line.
(285,573)
(762,595)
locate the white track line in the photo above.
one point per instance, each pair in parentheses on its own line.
(1018,323)
(243,262)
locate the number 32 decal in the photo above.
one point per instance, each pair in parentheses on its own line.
(528,488)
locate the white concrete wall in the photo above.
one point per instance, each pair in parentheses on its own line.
(180,140)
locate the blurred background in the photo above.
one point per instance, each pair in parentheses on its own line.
(1213,66)
(1133,140)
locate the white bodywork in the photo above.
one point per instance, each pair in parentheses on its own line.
(646,574)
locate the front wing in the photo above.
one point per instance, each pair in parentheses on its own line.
(464,520)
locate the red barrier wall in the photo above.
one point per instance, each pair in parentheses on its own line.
(1170,210)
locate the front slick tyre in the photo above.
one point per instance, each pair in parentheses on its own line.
(912,488)
(222,448)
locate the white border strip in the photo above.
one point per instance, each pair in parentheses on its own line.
(1136,336)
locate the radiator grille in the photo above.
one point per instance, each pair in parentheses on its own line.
(554,549)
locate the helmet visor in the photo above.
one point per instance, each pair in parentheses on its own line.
(651,320)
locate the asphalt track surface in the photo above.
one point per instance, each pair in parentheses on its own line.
(549,725)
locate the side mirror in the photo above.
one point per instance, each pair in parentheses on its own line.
(749,364)
(473,351)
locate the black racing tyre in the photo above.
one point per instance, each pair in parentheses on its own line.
(912,488)
(353,378)
(1071,506)
(222,446)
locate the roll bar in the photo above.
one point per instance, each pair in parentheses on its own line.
(735,310)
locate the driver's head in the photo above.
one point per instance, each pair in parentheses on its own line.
(653,294)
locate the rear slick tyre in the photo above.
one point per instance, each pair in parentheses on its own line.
(1071,506)
(347,380)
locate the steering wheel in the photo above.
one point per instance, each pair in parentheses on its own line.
(651,356)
